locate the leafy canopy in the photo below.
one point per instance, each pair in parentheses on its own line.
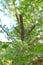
(27,36)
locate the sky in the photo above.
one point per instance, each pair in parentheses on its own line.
(5,20)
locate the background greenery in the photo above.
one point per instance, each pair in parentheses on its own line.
(26,47)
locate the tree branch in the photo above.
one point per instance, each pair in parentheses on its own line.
(9,36)
(17,17)
(20,21)
(30,30)
(17,30)
(22,27)
(3,11)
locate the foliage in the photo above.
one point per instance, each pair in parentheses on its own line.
(26,47)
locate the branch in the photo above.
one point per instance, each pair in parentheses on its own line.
(22,27)
(17,17)
(9,36)
(30,30)
(20,21)
(4,30)
(17,30)
(3,11)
